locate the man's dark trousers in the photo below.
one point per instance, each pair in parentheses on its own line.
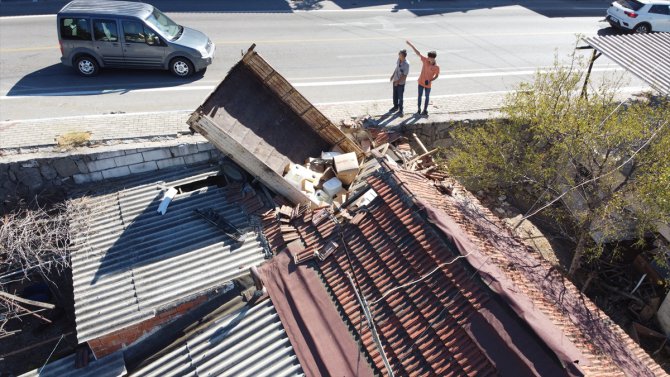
(398,91)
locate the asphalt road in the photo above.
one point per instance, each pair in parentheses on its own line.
(332,51)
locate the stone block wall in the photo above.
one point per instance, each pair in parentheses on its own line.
(23,176)
(438,134)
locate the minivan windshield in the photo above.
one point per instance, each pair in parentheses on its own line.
(164,25)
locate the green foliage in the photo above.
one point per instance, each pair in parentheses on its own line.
(606,161)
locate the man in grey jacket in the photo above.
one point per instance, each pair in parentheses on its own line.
(398,79)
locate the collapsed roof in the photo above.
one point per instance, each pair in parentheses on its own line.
(417,279)
(453,292)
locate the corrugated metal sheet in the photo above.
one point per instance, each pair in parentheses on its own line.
(110,366)
(250,342)
(647,56)
(129,261)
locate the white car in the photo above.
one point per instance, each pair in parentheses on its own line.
(640,16)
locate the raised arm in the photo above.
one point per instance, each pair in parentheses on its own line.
(413,48)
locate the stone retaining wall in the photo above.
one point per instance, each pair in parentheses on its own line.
(438,134)
(24,176)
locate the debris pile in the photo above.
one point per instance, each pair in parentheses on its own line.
(327,180)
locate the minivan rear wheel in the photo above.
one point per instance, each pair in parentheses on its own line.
(181,67)
(86,66)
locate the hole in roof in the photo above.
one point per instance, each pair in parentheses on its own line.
(230,173)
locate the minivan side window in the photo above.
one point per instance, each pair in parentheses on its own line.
(133,32)
(138,33)
(75,29)
(105,31)
(659,9)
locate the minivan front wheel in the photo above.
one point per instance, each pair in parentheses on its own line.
(86,66)
(181,67)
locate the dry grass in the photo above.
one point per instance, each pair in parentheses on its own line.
(72,140)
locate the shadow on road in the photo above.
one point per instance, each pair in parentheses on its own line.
(60,80)
(553,8)
(610,31)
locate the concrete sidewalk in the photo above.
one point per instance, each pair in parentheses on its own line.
(39,135)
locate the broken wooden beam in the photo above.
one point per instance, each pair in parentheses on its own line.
(9,296)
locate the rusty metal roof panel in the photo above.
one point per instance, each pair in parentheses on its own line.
(110,366)
(647,56)
(420,327)
(250,342)
(128,261)
(581,321)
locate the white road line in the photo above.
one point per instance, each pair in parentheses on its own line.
(412,98)
(442,77)
(9,18)
(111,91)
(630,89)
(353,10)
(383,55)
(297,85)
(96,115)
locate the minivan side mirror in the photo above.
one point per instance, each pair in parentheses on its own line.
(153,40)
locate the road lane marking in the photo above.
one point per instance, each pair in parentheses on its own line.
(344,39)
(629,89)
(23,49)
(122,91)
(442,77)
(357,10)
(399,37)
(10,18)
(294,80)
(97,115)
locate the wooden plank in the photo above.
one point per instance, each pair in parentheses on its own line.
(247,160)
(278,84)
(40,304)
(297,102)
(259,66)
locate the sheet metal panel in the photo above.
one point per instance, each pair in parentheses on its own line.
(250,342)
(128,261)
(647,56)
(110,366)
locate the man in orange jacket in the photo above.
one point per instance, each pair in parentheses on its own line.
(430,71)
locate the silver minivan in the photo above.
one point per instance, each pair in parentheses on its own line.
(95,34)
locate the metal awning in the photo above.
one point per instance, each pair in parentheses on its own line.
(647,56)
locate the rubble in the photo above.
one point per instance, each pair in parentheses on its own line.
(327,179)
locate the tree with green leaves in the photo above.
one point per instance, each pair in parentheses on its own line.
(604,160)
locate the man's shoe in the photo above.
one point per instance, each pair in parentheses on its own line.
(401,114)
(425,113)
(393,109)
(418,112)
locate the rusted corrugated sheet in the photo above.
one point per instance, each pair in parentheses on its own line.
(436,315)
(608,349)
(445,324)
(129,262)
(647,56)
